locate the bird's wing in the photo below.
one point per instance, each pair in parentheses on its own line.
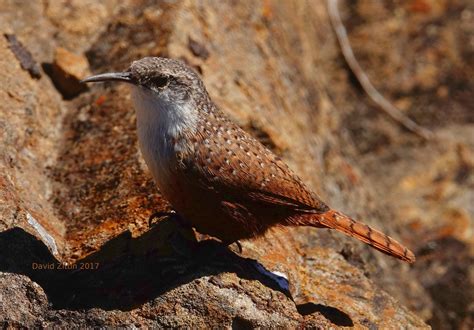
(229,160)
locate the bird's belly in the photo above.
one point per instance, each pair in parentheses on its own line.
(174,185)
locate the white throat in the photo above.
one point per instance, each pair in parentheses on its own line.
(162,128)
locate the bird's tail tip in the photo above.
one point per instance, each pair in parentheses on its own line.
(378,240)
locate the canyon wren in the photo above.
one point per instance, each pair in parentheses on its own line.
(217,176)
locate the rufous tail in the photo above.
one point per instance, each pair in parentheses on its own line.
(341,222)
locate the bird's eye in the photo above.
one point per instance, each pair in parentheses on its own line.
(161,81)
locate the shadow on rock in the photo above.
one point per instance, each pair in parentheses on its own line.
(333,314)
(126,272)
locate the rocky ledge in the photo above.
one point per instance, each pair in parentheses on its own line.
(75,195)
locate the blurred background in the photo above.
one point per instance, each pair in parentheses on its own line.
(73,186)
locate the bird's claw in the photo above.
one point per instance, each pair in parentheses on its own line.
(157,215)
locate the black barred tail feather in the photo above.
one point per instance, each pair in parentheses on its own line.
(336,220)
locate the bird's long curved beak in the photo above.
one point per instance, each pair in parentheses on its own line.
(112,76)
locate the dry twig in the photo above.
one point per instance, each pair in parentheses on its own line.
(374,95)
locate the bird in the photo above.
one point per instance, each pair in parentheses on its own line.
(218,177)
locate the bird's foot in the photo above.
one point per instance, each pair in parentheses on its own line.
(177,232)
(152,220)
(158,215)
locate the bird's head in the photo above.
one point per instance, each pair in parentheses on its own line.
(165,79)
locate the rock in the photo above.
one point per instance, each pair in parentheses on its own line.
(75,192)
(22,301)
(198,49)
(24,56)
(68,70)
